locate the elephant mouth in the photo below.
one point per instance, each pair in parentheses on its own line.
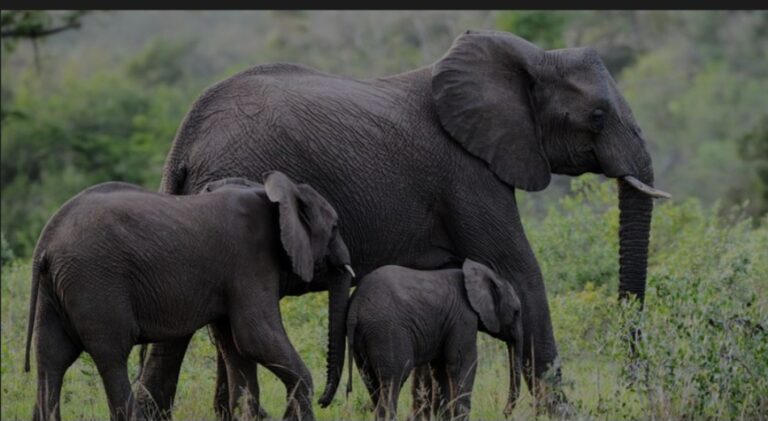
(644,188)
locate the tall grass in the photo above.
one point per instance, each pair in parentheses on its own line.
(703,353)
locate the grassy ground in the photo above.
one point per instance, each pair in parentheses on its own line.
(83,395)
(704,353)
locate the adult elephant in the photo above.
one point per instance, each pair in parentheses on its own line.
(422,166)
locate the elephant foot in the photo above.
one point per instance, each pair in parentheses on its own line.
(148,405)
(549,396)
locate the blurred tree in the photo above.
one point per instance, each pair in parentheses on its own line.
(161,63)
(35,24)
(753,148)
(543,28)
(31,25)
(6,253)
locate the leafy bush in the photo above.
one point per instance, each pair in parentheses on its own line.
(6,254)
(107,128)
(704,349)
(576,241)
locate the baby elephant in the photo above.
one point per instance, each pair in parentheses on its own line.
(401,318)
(118,265)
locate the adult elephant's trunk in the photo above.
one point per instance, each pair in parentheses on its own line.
(338,297)
(635,208)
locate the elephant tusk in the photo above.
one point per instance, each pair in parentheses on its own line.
(650,191)
(349,269)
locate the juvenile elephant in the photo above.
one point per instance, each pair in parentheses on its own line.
(118,265)
(401,318)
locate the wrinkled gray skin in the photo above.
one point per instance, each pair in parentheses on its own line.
(118,265)
(400,318)
(423,166)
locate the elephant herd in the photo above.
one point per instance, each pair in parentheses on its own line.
(283,180)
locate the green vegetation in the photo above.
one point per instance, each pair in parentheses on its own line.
(86,114)
(704,352)
(102,100)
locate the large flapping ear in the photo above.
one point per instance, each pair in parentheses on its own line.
(295,234)
(482,91)
(482,293)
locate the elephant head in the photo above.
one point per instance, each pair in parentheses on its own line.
(310,235)
(528,113)
(498,308)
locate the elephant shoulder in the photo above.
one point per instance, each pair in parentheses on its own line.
(271,74)
(282,70)
(97,193)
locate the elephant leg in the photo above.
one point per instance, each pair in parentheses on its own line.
(423,389)
(160,375)
(369,378)
(55,352)
(389,391)
(392,371)
(241,375)
(122,403)
(460,378)
(221,395)
(441,391)
(110,352)
(259,335)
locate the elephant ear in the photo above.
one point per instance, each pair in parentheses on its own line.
(294,233)
(306,221)
(482,91)
(322,220)
(481,290)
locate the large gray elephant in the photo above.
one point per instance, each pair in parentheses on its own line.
(119,265)
(422,166)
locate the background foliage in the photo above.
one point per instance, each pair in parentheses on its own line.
(102,99)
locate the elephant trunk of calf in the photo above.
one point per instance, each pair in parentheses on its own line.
(338,297)
(515,354)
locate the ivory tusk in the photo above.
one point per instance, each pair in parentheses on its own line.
(650,191)
(349,269)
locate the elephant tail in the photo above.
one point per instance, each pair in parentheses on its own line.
(39,268)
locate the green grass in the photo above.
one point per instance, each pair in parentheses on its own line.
(704,353)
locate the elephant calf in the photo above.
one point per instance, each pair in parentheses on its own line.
(118,265)
(401,318)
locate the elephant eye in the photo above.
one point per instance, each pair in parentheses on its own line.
(597,120)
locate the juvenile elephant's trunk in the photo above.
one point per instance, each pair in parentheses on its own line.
(338,297)
(515,354)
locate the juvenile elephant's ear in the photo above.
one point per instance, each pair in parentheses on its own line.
(481,290)
(322,219)
(482,91)
(306,221)
(294,234)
